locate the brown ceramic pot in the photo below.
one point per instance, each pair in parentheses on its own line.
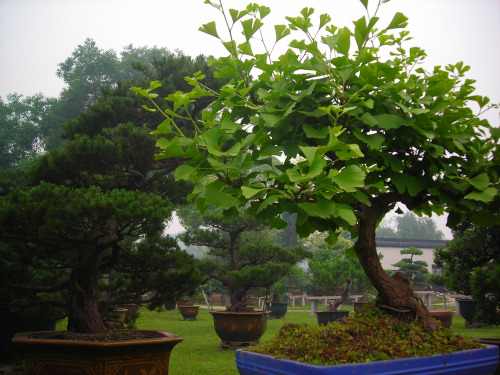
(62,357)
(189,312)
(444,316)
(239,329)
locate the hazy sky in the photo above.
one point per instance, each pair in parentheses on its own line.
(37,35)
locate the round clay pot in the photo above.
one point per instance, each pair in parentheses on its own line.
(238,329)
(189,313)
(325,317)
(444,316)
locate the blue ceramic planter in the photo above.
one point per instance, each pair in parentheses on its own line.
(467,362)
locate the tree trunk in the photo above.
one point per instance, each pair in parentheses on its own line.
(237,297)
(83,314)
(395,293)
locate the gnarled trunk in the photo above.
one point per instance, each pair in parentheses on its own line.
(395,292)
(83,314)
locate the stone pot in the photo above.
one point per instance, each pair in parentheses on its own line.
(468,309)
(239,329)
(467,362)
(277,309)
(62,357)
(325,317)
(189,312)
(444,316)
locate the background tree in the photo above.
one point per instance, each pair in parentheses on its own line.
(415,270)
(98,206)
(410,226)
(335,105)
(472,267)
(239,254)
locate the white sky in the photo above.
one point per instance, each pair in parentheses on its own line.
(37,35)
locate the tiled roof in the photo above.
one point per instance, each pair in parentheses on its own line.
(406,243)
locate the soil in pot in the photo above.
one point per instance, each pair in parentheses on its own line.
(325,317)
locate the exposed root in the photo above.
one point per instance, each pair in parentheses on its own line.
(402,311)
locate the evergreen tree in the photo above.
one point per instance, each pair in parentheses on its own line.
(98,206)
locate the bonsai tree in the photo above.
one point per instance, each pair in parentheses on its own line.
(471,265)
(239,255)
(415,270)
(334,107)
(99,206)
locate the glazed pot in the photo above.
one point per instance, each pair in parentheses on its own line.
(277,309)
(444,316)
(239,329)
(491,341)
(467,362)
(61,357)
(325,317)
(189,313)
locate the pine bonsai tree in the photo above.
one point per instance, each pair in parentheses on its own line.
(240,256)
(415,270)
(98,206)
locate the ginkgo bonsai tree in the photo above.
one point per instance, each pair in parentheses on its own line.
(359,126)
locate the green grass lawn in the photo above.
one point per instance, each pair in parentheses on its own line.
(199,352)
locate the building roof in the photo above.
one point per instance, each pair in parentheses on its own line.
(407,242)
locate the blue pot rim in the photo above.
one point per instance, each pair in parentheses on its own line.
(455,363)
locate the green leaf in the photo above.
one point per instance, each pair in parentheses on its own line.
(315,133)
(281,31)
(250,192)
(183,172)
(309,153)
(365,3)
(210,28)
(360,32)
(220,199)
(374,141)
(405,183)
(398,21)
(246,49)
(486,195)
(250,27)
(163,128)
(295,176)
(368,119)
(349,178)
(327,209)
(389,121)
(485,219)
(344,41)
